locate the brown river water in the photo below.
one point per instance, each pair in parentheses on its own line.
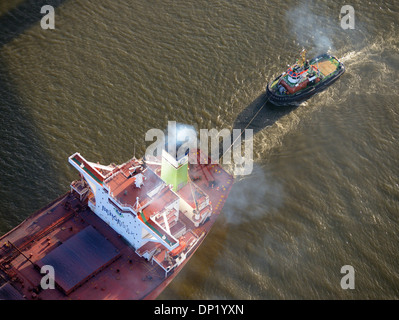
(324,190)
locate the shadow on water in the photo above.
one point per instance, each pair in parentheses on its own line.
(258,115)
(20,18)
(254,118)
(25,166)
(28,177)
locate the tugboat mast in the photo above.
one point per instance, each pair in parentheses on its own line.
(303,55)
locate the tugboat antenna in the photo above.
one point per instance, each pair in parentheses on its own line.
(303,55)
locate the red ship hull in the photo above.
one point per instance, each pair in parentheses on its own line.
(122,276)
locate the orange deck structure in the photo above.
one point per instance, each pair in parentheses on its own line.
(90,259)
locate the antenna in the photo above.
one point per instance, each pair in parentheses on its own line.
(137,204)
(303,55)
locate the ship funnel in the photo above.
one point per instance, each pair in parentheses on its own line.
(175,154)
(174,170)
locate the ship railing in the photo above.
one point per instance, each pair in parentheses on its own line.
(128,206)
(92,199)
(80,187)
(194,242)
(167,269)
(124,206)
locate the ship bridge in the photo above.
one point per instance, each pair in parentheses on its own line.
(131,198)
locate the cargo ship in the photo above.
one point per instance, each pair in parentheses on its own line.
(121,231)
(304,79)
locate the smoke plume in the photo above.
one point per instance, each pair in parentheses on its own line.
(253,197)
(313,31)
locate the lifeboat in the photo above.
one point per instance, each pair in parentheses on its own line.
(182,245)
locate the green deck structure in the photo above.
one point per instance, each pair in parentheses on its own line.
(176,176)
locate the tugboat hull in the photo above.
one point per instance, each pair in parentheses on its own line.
(304,94)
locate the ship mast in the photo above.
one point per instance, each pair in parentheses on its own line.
(193,195)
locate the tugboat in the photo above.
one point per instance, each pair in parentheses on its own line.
(304,79)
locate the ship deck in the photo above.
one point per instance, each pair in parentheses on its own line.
(327,67)
(55,231)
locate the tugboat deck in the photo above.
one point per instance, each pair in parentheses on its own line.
(327,67)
